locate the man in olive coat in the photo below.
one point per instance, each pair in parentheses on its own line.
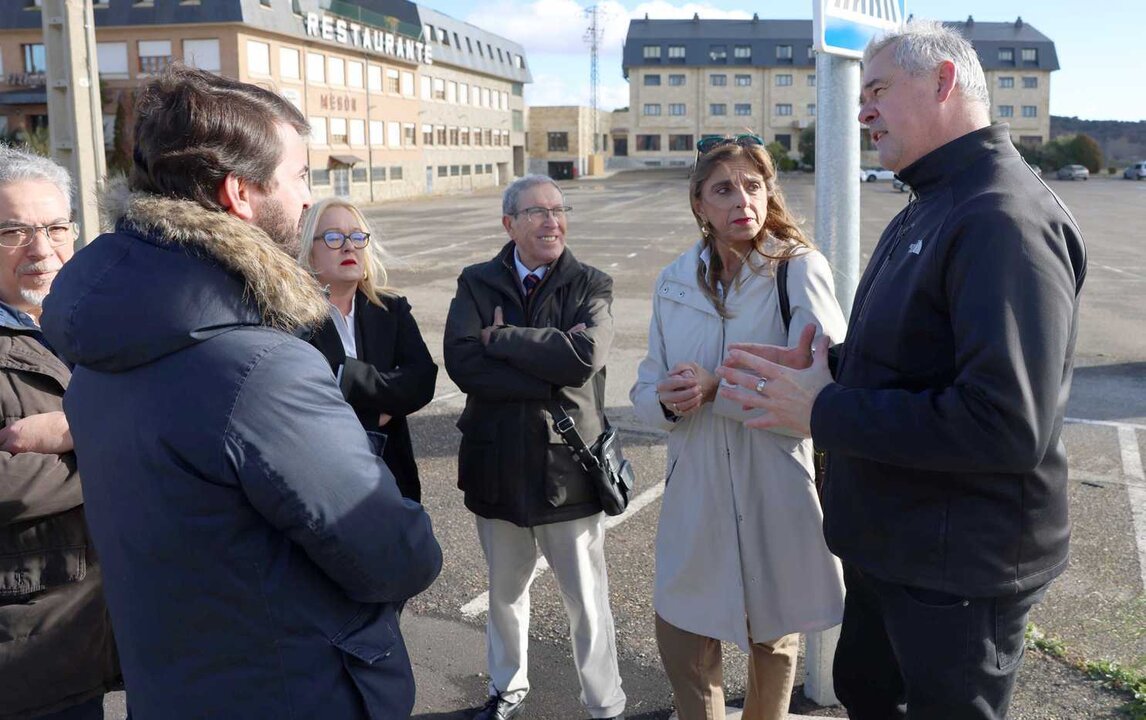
(528,329)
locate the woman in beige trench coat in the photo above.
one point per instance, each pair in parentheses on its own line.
(740,555)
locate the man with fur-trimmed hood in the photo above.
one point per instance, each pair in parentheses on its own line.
(254,549)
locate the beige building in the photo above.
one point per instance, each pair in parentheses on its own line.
(561,142)
(693,78)
(402,100)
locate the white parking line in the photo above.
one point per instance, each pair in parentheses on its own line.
(1136,489)
(480,604)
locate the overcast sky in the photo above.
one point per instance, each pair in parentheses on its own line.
(1100,43)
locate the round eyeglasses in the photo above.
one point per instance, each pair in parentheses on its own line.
(335,239)
(15,236)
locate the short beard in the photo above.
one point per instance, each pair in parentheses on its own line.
(272,219)
(34,298)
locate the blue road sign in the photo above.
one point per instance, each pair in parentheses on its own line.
(845,27)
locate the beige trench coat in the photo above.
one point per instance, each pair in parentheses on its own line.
(739,543)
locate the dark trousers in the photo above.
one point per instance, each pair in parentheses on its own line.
(908,652)
(88,710)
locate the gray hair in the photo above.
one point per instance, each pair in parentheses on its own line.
(517,187)
(923,44)
(20,165)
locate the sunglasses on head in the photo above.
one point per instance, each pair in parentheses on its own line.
(710,143)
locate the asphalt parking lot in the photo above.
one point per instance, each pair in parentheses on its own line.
(633,224)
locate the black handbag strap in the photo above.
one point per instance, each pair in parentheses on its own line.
(782,291)
(567,429)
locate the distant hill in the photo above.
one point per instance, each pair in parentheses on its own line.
(1122,142)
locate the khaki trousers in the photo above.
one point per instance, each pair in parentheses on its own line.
(694,667)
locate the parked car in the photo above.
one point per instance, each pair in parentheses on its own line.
(1137,171)
(899,185)
(873,174)
(1035,169)
(1072,172)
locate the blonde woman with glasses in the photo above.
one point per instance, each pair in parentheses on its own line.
(370,338)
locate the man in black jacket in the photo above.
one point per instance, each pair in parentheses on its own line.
(528,329)
(946,489)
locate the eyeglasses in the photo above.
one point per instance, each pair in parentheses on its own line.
(539,214)
(335,239)
(14,236)
(710,143)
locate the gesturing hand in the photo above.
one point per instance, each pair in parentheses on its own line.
(498,321)
(799,356)
(784,393)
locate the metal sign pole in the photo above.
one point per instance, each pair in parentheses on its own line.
(837,170)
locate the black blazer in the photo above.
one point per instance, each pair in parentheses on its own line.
(393,374)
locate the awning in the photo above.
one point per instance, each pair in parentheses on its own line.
(345,159)
(31,96)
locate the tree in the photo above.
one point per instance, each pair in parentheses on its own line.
(1085,151)
(780,159)
(807,145)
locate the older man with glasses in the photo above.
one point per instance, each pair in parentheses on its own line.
(528,330)
(57,655)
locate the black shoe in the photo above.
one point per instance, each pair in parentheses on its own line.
(498,708)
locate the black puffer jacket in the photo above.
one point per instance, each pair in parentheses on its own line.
(947,469)
(512,464)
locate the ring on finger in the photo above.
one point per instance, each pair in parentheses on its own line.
(760,385)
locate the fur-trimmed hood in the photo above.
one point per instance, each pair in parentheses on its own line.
(171,274)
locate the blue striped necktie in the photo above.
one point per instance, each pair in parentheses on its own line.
(529,282)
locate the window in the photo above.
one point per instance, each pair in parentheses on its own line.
(390,85)
(408,84)
(1030,55)
(651,109)
(35,60)
(454,136)
(393,133)
(1007,55)
(354,74)
(717,109)
(377,132)
(155,55)
(518,89)
(320,177)
(1030,140)
(426,87)
(784,80)
(478,169)
(743,80)
(288,62)
(742,53)
(409,135)
(395,172)
(676,52)
(500,57)
(378,173)
(358,174)
(1006,111)
(338,131)
(1030,82)
(810,109)
(811,52)
(783,108)
(478,137)
(112,58)
(489,137)
(518,121)
(204,54)
(485,98)
(718,80)
(652,80)
(812,80)
(357,132)
(743,108)
(649,143)
(783,52)
(318,130)
(443,171)
(440,135)
(463,94)
(652,52)
(315,68)
(1006,81)
(336,71)
(676,109)
(465,138)
(785,141)
(676,80)
(718,53)
(1030,111)
(427,134)
(680,142)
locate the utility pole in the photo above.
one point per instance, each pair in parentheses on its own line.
(593,36)
(74,107)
